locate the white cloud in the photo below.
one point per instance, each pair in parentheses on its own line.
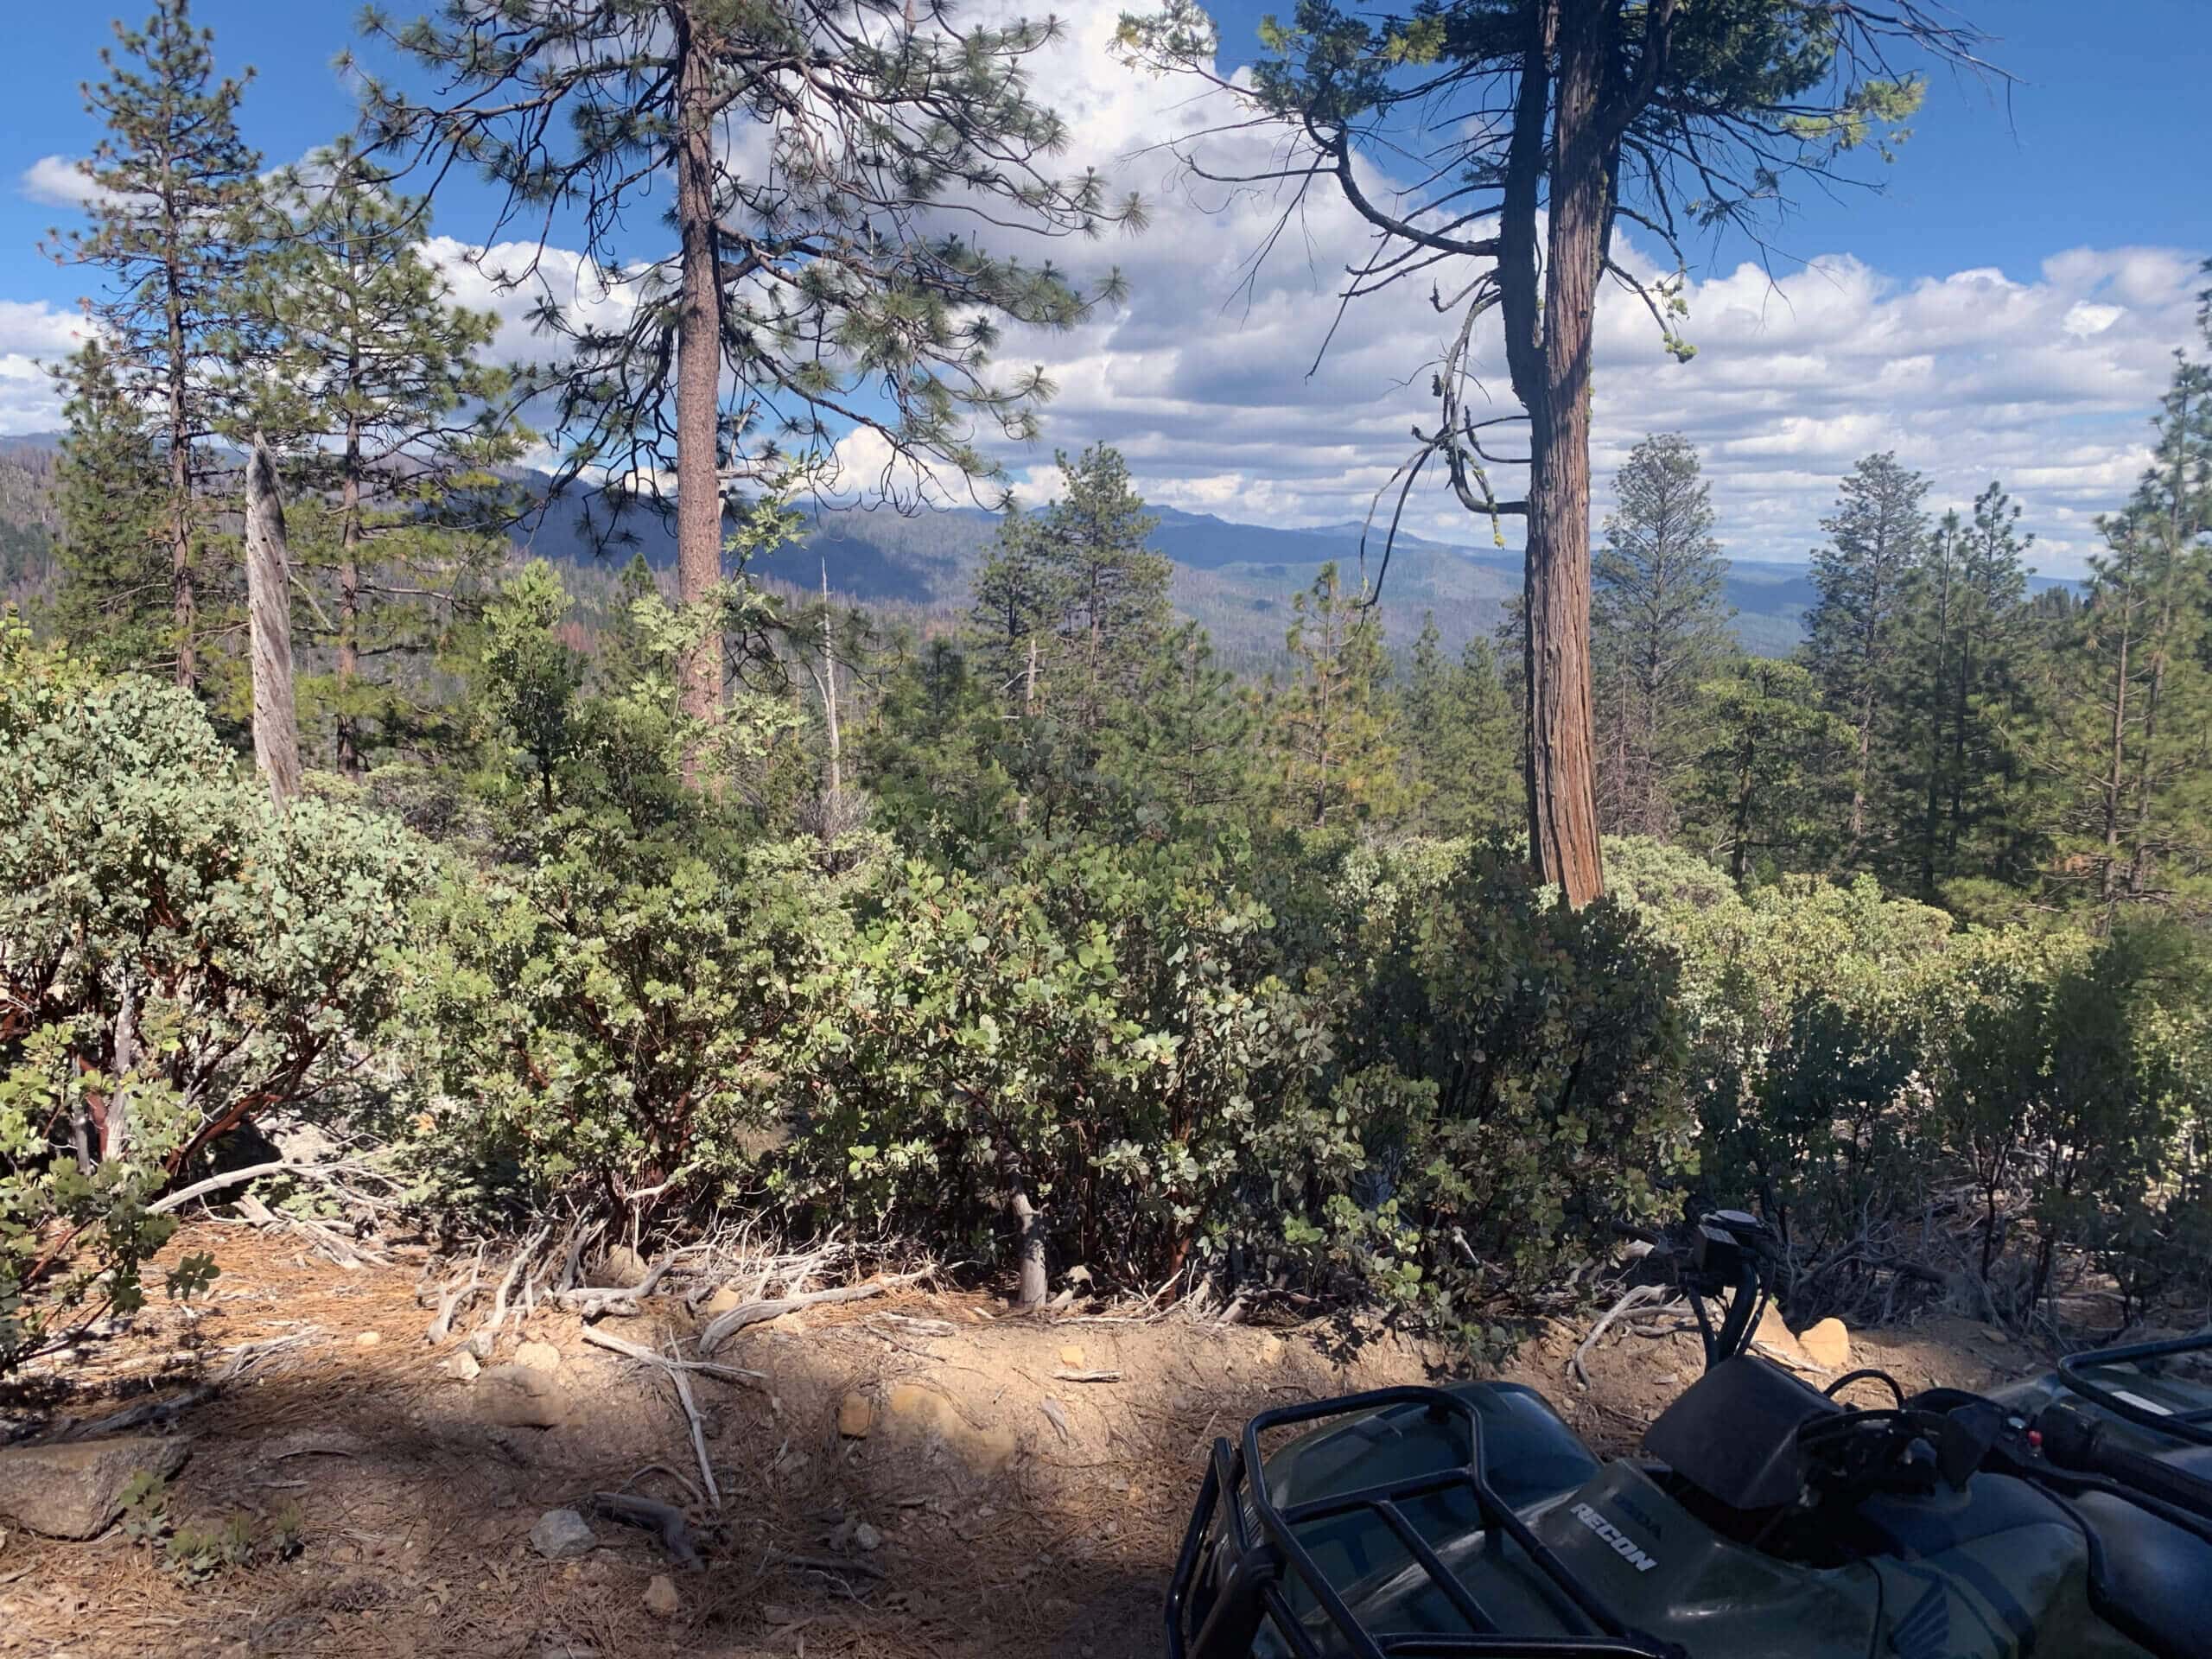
(33,334)
(58,182)
(1206,378)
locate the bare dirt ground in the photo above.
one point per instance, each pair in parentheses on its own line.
(1016,1507)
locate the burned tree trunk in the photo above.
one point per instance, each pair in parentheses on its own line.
(269,605)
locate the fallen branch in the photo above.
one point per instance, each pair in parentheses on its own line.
(676,1372)
(230,1178)
(666,1518)
(1640,1296)
(163,1411)
(723,1326)
(1086,1376)
(613,1343)
(620,1302)
(831,1565)
(453,1299)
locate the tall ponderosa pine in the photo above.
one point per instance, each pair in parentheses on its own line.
(117,594)
(1659,627)
(173,197)
(1539,126)
(1071,605)
(394,427)
(830,173)
(1855,634)
(2127,749)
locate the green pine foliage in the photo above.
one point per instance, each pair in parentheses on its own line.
(393,431)
(1658,629)
(177,226)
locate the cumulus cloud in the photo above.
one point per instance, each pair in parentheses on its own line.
(32,336)
(1207,378)
(58,182)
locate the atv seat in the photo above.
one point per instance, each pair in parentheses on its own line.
(2159,1574)
(1732,1433)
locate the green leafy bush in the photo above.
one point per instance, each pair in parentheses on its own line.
(175,957)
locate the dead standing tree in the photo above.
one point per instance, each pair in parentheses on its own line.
(1522,132)
(829,168)
(268,610)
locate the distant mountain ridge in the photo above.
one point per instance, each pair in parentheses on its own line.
(1237,580)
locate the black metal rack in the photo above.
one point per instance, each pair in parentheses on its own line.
(1248,1593)
(2194,1427)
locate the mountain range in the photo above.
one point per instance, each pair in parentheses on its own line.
(1236,579)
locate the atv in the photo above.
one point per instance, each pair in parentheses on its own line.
(2071,1516)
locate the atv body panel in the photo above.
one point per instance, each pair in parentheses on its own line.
(1992,1572)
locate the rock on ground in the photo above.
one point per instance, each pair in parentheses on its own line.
(560,1534)
(661,1598)
(855,1417)
(74,1490)
(515,1396)
(1828,1344)
(538,1356)
(620,1269)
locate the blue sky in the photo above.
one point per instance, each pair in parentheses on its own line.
(2070,209)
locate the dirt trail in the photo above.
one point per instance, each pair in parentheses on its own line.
(1023,1483)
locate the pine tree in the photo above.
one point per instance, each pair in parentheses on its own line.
(1969,636)
(804,156)
(173,199)
(1186,746)
(116,594)
(1761,788)
(2126,748)
(1462,745)
(1855,635)
(1069,613)
(394,427)
(1333,724)
(1658,630)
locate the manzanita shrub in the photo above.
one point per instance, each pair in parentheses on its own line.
(176,956)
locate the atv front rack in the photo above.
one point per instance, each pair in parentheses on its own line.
(2194,1427)
(1259,1545)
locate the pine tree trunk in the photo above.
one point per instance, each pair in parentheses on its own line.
(698,371)
(1030,1225)
(349,600)
(832,818)
(1562,773)
(2115,775)
(268,607)
(181,598)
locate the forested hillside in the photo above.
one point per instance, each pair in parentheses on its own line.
(1234,580)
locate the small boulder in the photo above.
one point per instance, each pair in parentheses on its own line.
(538,1356)
(515,1396)
(562,1534)
(1071,1355)
(867,1537)
(74,1490)
(368,1340)
(661,1600)
(725,1298)
(932,1418)
(461,1365)
(855,1416)
(1828,1344)
(1775,1334)
(620,1269)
